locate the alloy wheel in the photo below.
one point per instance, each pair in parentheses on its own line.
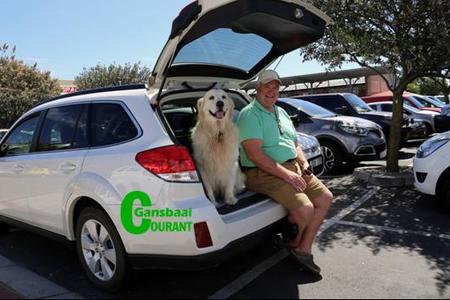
(98,250)
(329,158)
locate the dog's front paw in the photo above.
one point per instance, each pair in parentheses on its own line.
(231,200)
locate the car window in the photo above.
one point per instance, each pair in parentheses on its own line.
(225,47)
(357,103)
(386,107)
(21,137)
(292,111)
(110,124)
(328,102)
(59,128)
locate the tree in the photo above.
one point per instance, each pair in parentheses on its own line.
(21,86)
(408,37)
(430,86)
(112,75)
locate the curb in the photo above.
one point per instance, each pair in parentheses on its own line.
(378,176)
(22,283)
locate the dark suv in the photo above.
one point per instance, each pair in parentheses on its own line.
(351,105)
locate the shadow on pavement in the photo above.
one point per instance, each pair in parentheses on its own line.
(399,209)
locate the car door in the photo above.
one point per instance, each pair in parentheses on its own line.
(61,147)
(15,158)
(214,43)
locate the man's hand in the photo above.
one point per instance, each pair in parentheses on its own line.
(297,182)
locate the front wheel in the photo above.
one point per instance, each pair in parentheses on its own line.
(100,250)
(332,155)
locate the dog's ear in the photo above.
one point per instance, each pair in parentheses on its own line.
(230,115)
(200,103)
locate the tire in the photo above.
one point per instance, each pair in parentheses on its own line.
(332,155)
(101,251)
(443,191)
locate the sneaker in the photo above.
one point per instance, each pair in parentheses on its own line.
(306,261)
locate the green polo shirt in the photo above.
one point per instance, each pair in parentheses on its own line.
(255,122)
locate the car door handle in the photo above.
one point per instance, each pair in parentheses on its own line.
(18,169)
(68,167)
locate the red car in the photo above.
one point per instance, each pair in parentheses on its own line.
(411,99)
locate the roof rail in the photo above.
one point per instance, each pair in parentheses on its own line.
(96,90)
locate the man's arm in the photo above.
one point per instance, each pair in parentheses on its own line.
(253,149)
(301,159)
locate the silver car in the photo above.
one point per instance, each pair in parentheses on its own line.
(343,139)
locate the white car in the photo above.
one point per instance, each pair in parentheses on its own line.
(111,170)
(432,168)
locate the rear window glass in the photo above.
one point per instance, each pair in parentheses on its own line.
(110,125)
(223,47)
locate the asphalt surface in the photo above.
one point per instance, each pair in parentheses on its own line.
(377,243)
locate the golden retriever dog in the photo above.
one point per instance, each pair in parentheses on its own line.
(215,147)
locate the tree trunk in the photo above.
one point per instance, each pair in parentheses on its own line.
(395,132)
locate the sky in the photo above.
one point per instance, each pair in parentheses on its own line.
(64,37)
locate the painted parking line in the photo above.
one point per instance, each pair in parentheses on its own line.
(249,276)
(396,230)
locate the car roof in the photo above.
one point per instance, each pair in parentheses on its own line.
(324,94)
(108,93)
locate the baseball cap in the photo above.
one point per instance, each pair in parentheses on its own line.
(268,76)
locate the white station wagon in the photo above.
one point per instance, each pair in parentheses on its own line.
(111,169)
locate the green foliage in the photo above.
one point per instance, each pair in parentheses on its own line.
(112,75)
(21,86)
(430,86)
(408,37)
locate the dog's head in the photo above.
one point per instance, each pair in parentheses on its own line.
(216,105)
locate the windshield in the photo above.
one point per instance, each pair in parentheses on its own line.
(223,47)
(410,108)
(358,104)
(311,109)
(424,102)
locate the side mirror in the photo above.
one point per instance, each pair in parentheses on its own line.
(295,119)
(343,110)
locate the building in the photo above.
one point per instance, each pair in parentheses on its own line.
(362,82)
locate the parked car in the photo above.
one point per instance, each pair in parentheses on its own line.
(342,138)
(2,133)
(413,100)
(423,122)
(348,104)
(313,153)
(102,167)
(432,168)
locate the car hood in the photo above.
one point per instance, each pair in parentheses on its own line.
(227,43)
(359,121)
(377,114)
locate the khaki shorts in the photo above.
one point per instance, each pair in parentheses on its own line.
(282,192)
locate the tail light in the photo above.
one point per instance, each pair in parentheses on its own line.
(202,235)
(171,163)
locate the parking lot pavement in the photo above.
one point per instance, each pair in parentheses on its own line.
(376,243)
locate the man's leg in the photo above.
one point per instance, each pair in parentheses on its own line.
(301,216)
(321,205)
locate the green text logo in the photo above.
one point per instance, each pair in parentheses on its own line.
(145,214)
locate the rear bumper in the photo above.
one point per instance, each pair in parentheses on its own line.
(211,259)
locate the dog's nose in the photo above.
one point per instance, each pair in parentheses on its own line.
(220,104)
